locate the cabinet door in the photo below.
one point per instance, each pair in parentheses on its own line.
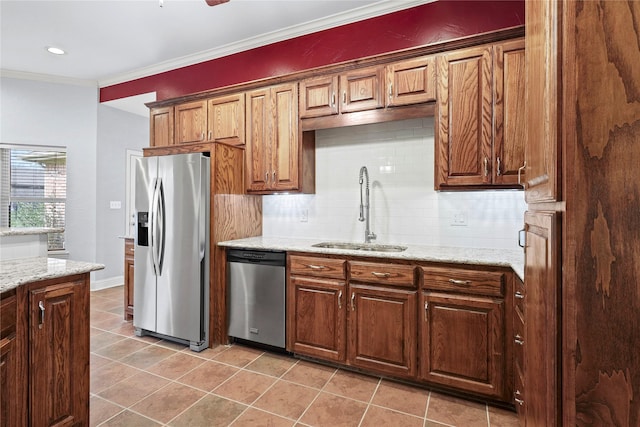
(226,119)
(257,152)
(59,354)
(317,314)
(284,142)
(462,342)
(542,102)
(411,82)
(542,293)
(8,385)
(161,132)
(361,89)
(190,122)
(318,96)
(382,329)
(509,111)
(464,135)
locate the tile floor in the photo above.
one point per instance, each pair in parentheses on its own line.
(148,382)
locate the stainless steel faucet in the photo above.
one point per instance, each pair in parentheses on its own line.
(368,234)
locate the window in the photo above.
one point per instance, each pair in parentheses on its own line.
(33,188)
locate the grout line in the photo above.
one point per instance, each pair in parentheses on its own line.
(317,395)
(426,410)
(370,401)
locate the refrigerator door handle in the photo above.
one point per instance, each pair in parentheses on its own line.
(153,227)
(161,226)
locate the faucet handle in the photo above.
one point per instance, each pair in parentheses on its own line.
(372,236)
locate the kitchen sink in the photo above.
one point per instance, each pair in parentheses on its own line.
(369,247)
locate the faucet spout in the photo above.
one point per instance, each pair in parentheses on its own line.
(365,214)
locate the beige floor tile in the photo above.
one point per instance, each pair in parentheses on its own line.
(127,330)
(101,410)
(130,419)
(244,386)
(104,339)
(147,356)
(352,385)
(272,364)
(110,324)
(96,361)
(458,412)
(502,418)
(211,353)
(176,365)
(377,416)
(208,376)
(108,375)
(400,397)
(238,356)
(309,374)
(256,418)
(210,411)
(131,390)
(168,402)
(334,411)
(287,399)
(121,349)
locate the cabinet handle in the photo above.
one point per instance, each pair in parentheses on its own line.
(202,137)
(344,97)
(518,340)
(377,274)
(426,311)
(498,166)
(333,99)
(519,295)
(520,170)
(274,177)
(486,166)
(41,320)
(460,282)
(522,238)
(315,267)
(266,177)
(390,90)
(210,135)
(519,401)
(340,299)
(353,301)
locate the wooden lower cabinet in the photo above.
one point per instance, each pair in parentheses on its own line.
(382,329)
(8,362)
(462,342)
(128,278)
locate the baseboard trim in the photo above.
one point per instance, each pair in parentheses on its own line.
(110,282)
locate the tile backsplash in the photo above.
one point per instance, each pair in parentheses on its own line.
(405,209)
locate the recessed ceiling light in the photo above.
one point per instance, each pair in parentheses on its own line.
(55,50)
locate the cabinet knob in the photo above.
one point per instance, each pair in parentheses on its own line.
(519,295)
(518,340)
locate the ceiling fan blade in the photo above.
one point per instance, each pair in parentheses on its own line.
(215,2)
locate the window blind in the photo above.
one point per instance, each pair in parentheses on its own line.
(36,187)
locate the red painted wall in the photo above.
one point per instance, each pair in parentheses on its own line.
(430,23)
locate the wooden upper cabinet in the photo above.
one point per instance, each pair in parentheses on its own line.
(284,142)
(509,111)
(161,126)
(411,82)
(257,151)
(190,122)
(361,89)
(463,148)
(226,119)
(480,135)
(318,96)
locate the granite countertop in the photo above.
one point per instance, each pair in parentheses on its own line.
(495,257)
(11,231)
(15,272)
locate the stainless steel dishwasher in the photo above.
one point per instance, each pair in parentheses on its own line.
(256,296)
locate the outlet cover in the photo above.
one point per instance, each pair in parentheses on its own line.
(304,215)
(115,204)
(459,219)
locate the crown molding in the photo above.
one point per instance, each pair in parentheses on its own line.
(47,78)
(336,20)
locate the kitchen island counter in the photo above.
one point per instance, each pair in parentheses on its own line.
(472,256)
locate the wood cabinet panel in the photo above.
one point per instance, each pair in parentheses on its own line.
(225,119)
(9,403)
(318,266)
(285,173)
(462,342)
(464,117)
(317,311)
(258,156)
(190,122)
(490,283)
(362,89)
(384,274)
(161,129)
(411,82)
(318,96)
(509,111)
(382,329)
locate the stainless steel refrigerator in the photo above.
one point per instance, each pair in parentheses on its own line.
(171,258)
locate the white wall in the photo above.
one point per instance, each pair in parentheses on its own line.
(117,132)
(404,206)
(44,113)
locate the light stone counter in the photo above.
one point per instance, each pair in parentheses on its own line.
(16,272)
(472,256)
(27,231)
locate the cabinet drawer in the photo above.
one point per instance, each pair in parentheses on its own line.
(7,316)
(384,274)
(490,283)
(316,266)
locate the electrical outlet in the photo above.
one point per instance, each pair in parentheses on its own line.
(115,204)
(459,219)
(304,215)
